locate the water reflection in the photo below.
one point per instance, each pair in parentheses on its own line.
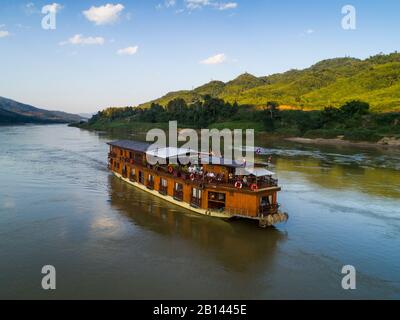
(59,205)
(374,181)
(238,245)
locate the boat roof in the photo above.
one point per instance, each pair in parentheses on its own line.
(257,172)
(170,152)
(213,160)
(131,145)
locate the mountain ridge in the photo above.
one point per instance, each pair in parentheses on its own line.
(14,112)
(330,82)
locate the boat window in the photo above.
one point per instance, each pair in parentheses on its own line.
(138,158)
(264,201)
(196,193)
(216,200)
(164,183)
(217,196)
(141,177)
(178,187)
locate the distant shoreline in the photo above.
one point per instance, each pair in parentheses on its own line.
(21,124)
(384,143)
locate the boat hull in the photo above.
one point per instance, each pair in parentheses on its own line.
(170,199)
(263,221)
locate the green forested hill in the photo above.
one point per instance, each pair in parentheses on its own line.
(375,80)
(13,112)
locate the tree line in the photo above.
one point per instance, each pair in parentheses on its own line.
(353,120)
(199,114)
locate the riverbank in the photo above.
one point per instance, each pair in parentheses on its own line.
(142,127)
(385,142)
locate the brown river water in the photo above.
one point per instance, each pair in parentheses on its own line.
(60,206)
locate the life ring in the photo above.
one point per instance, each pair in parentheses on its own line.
(258,151)
(192,177)
(254,187)
(170,169)
(238,185)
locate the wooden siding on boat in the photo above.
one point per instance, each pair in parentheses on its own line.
(238,202)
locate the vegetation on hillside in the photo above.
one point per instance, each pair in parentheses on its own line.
(12,118)
(352,121)
(13,112)
(348,98)
(333,82)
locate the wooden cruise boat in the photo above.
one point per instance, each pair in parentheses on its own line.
(209,189)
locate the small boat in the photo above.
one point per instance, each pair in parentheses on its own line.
(222,189)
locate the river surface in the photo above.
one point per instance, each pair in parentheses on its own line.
(60,206)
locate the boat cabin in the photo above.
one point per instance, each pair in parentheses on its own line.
(218,189)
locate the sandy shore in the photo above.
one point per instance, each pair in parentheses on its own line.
(386,142)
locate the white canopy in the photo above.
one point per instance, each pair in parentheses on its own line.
(257,172)
(170,152)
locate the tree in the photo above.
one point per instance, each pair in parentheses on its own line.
(355,107)
(330,115)
(271,113)
(176,106)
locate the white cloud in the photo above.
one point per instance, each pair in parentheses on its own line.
(307,32)
(170,3)
(227,6)
(199,4)
(130,51)
(4,33)
(78,39)
(167,4)
(54,7)
(106,14)
(217,59)
(30,9)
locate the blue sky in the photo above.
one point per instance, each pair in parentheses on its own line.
(105,53)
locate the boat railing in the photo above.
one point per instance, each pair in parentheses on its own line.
(248,183)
